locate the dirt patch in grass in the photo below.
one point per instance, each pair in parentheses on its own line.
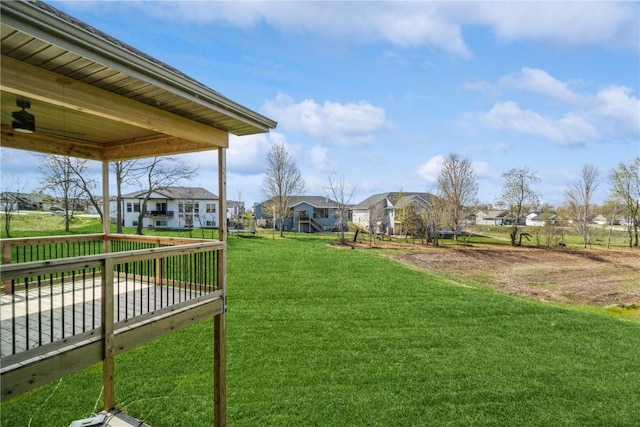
(595,277)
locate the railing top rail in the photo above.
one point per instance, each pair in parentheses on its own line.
(154,239)
(52,239)
(98,237)
(12,271)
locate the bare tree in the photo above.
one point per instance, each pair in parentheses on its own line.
(282,180)
(162,172)
(10,199)
(341,192)
(518,195)
(377,218)
(58,176)
(434,218)
(127,172)
(458,188)
(625,182)
(580,200)
(86,184)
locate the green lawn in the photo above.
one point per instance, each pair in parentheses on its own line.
(319,336)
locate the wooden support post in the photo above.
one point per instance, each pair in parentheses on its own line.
(108,334)
(219,326)
(107,298)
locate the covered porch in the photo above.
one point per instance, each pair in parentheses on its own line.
(69,302)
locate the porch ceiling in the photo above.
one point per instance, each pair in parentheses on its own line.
(94,97)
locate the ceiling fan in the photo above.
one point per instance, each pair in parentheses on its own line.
(24,122)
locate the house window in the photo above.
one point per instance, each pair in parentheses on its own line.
(187,207)
(209,224)
(161,223)
(321,213)
(134,223)
(210,207)
(133,207)
(196,207)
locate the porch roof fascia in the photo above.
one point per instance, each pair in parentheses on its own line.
(46,23)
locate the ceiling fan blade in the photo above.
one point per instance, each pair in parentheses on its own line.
(7,115)
(63,133)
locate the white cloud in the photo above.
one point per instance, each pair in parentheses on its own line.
(566,23)
(431,169)
(424,24)
(345,124)
(570,129)
(618,111)
(246,154)
(611,112)
(539,81)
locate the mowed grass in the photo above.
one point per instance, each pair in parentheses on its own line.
(320,336)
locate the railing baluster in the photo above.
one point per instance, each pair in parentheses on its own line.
(26,310)
(84,299)
(149,272)
(63,304)
(93,299)
(126,293)
(13,316)
(39,310)
(51,306)
(118,270)
(73,302)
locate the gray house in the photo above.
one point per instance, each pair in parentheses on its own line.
(379,210)
(307,214)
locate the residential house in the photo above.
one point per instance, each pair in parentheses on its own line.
(539,219)
(307,214)
(172,207)
(234,209)
(600,220)
(27,201)
(491,217)
(378,212)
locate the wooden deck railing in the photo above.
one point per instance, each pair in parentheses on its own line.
(84,295)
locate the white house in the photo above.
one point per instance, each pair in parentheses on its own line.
(539,219)
(172,207)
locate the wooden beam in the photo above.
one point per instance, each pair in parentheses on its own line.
(49,144)
(22,377)
(160,145)
(46,86)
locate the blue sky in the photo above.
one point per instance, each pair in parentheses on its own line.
(381,92)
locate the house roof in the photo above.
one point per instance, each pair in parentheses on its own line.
(177,193)
(315,201)
(97,98)
(492,214)
(405,201)
(393,198)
